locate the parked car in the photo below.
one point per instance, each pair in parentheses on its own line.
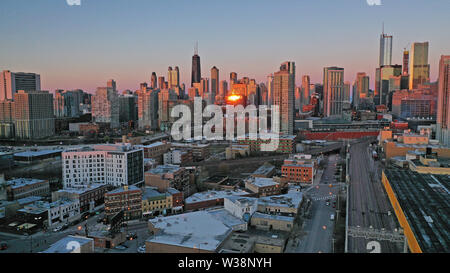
(328,203)
(141,249)
(120,247)
(57,229)
(3,246)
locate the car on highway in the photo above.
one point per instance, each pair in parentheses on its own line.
(3,246)
(328,203)
(332,217)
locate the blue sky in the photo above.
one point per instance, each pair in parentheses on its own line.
(83,46)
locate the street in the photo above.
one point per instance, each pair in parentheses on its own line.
(318,231)
(368,203)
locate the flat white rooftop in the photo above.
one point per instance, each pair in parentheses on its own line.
(211,195)
(199,230)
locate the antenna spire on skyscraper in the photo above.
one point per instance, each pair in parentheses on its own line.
(196,48)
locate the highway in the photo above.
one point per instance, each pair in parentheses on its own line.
(368,202)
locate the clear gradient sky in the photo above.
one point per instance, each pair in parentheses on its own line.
(84,46)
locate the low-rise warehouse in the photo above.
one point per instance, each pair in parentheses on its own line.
(421,204)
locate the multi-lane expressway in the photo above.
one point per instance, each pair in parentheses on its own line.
(368,203)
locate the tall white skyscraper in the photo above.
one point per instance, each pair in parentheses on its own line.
(385,49)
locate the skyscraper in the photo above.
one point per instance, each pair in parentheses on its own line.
(112,84)
(196,70)
(385,74)
(233,78)
(361,88)
(306,81)
(443,114)
(173,77)
(223,88)
(148,100)
(154,81)
(214,83)
(346,91)
(105,106)
(270,90)
(385,49)
(11,82)
(67,103)
(333,90)
(161,82)
(33,114)
(405,62)
(419,68)
(283,96)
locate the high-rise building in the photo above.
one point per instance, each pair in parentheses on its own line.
(419,68)
(161,82)
(166,97)
(306,92)
(263,94)
(405,62)
(128,108)
(33,114)
(283,96)
(148,100)
(233,78)
(169,76)
(154,81)
(362,85)
(333,91)
(298,98)
(443,114)
(105,106)
(270,90)
(253,93)
(214,83)
(173,77)
(196,68)
(204,87)
(11,82)
(67,103)
(347,91)
(385,49)
(6,119)
(385,74)
(114,165)
(112,84)
(223,88)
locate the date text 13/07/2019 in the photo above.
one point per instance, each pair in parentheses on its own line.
(226,263)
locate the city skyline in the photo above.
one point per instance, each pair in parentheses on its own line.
(93,55)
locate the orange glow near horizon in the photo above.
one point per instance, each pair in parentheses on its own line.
(234,98)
